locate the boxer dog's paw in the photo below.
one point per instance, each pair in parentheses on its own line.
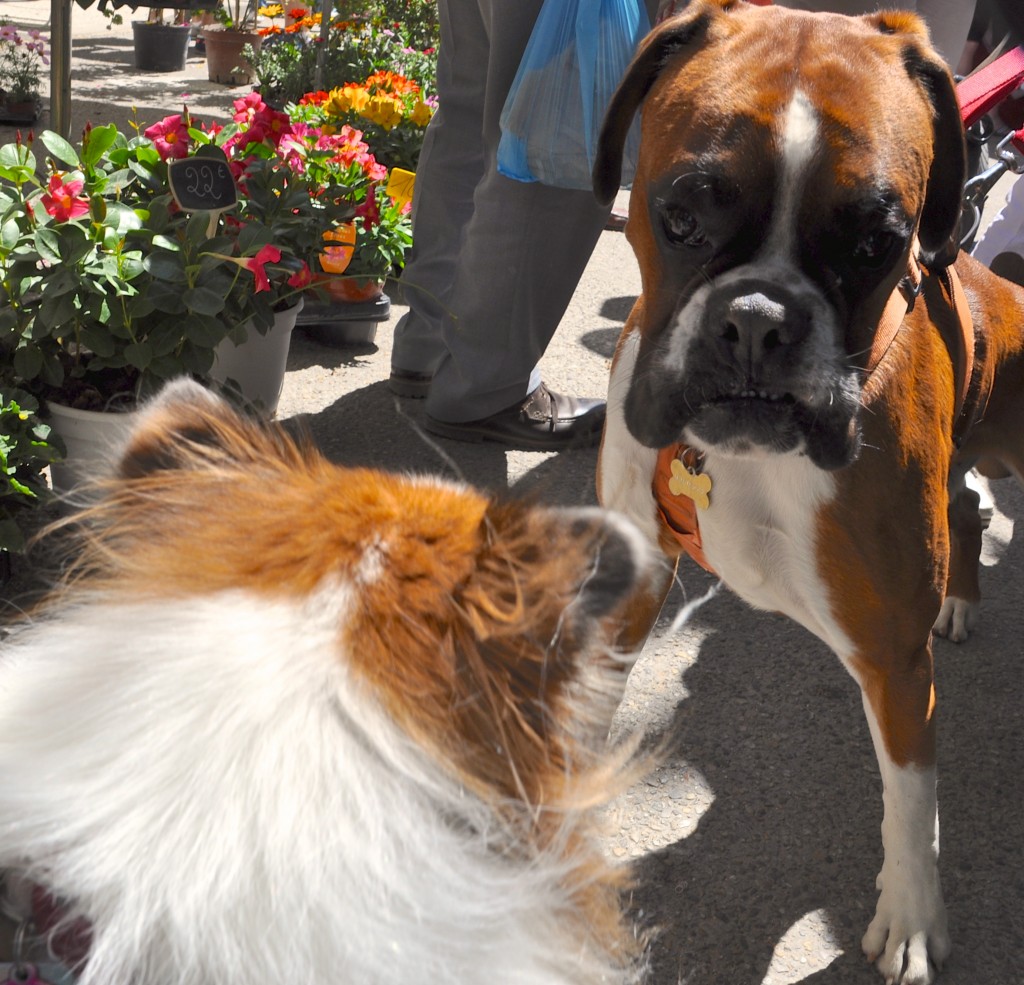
(907,941)
(956,619)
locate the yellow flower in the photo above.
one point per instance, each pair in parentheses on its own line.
(271,10)
(357,98)
(338,104)
(421,114)
(384,110)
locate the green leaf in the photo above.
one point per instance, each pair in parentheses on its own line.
(56,311)
(98,341)
(122,218)
(204,301)
(47,243)
(139,354)
(166,243)
(52,373)
(60,148)
(11,537)
(205,332)
(166,266)
(19,160)
(99,142)
(28,362)
(64,280)
(10,233)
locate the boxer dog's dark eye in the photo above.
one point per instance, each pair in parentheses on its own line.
(874,249)
(681,226)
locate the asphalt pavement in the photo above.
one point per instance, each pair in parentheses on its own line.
(757,842)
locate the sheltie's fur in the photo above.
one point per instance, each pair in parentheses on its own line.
(286,721)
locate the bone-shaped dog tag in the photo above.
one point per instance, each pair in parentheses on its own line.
(687,481)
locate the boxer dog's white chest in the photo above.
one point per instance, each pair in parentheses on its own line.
(760,535)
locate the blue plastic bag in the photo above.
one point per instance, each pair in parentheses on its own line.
(575,58)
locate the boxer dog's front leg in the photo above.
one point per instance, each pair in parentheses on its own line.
(908,938)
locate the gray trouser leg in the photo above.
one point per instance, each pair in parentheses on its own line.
(495,262)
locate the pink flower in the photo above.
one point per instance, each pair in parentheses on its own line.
(248,107)
(169,136)
(268,254)
(62,201)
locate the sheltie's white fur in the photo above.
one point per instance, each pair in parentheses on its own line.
(291,722)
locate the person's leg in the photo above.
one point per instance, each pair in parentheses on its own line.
(525,248)
(449,169)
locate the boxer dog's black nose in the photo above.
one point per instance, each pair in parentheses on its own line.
(755,325)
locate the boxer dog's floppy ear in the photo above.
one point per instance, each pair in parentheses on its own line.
(939,231)
(940,218)
(672,37)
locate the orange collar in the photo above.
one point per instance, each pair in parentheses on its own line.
(680,486)
(961,348)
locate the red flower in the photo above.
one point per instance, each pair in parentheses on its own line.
(169,136)
(62,201)
(268,254)
(369,211)
(301,277)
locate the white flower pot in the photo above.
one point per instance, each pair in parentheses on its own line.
(92,439)
(255,369)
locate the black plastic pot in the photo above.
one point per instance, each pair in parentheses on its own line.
(161,47)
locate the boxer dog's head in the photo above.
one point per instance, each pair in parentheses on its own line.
(789,164)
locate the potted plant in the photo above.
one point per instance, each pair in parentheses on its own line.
(108,288)
(23,55)
(162,40)
(228,41)
(320,190)
(26,448)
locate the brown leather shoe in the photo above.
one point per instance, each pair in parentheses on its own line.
(545,421)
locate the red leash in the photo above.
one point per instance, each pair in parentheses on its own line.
(989,86)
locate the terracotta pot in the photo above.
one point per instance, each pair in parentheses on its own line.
(161,47)
(224,60)
(19,110)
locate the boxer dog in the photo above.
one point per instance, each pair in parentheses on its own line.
(290,720)
(807,374)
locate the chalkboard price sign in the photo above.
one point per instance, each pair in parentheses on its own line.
(203,182)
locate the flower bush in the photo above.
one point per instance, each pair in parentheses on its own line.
(108,288)
(390,108)
(355,51)
(334,170)
(22,59)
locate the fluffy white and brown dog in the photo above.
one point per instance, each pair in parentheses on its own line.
(810,371)
(291,721)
